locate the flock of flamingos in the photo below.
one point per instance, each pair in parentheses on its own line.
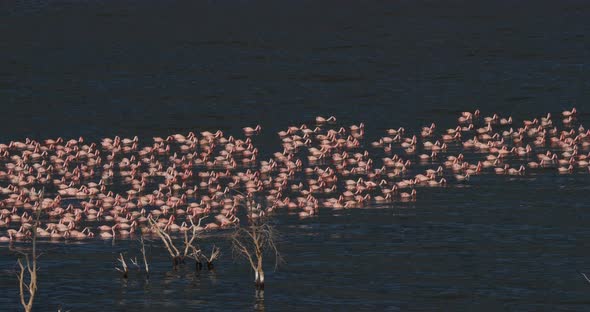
(113,188)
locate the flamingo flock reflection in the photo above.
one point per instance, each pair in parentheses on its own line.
(114,187)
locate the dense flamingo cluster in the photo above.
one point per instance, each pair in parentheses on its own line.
(113,188)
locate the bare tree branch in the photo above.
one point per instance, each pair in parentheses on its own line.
(254,240)
(145,261)
(31,268)
(586,277)
(124,268)
(165,238)
(190,250)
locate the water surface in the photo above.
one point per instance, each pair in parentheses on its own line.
(105,68)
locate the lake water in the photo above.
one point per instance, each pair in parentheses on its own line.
(153,68)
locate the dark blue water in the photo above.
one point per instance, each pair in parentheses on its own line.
(152,68)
